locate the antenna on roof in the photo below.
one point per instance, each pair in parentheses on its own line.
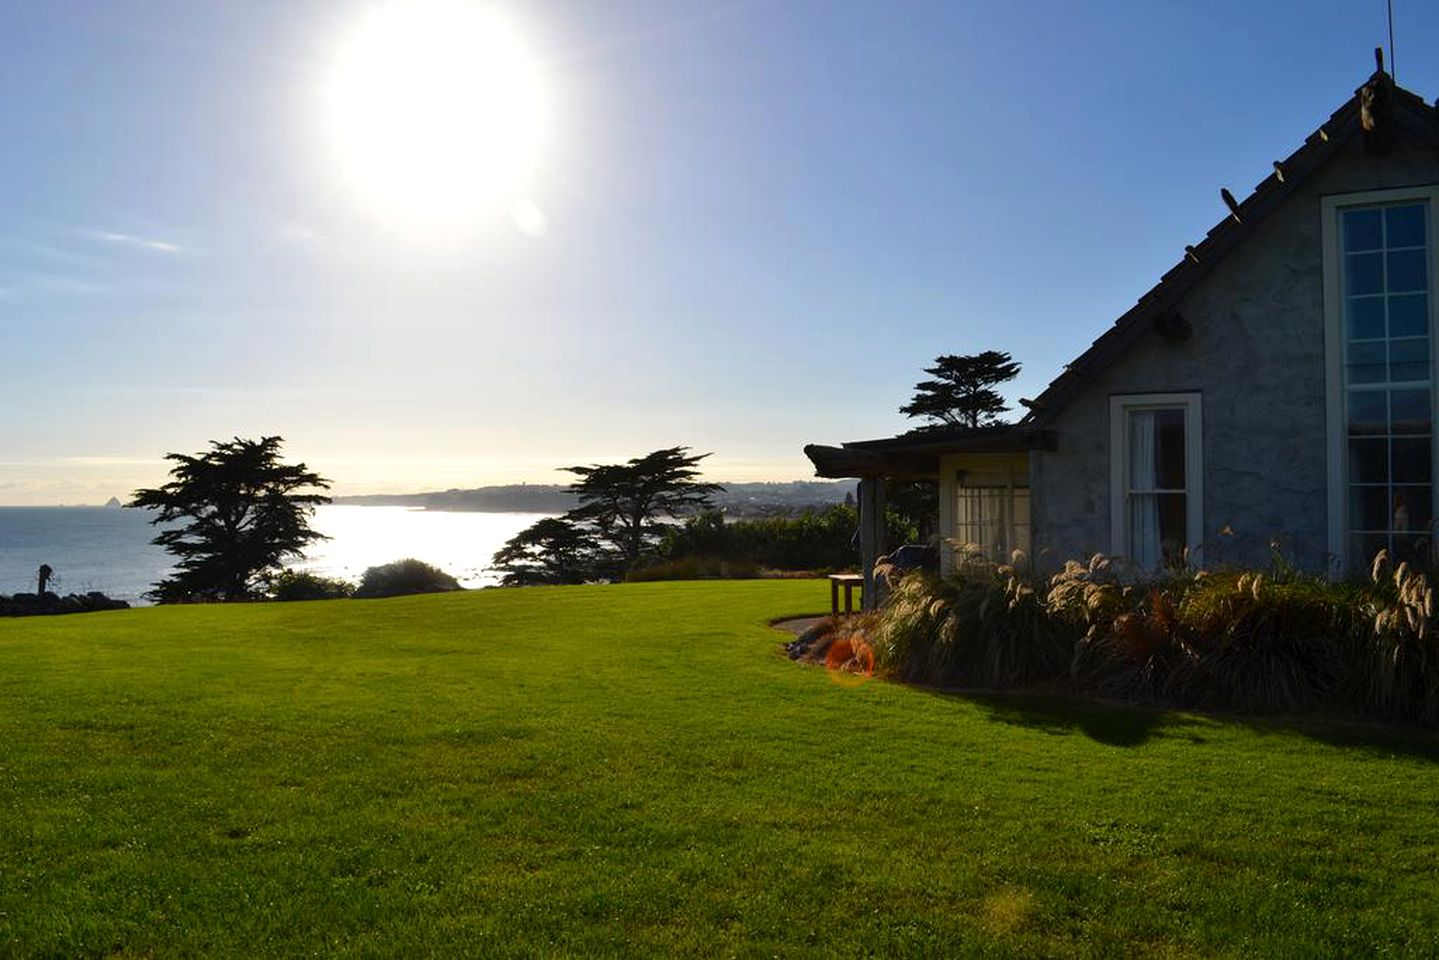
(1391,41)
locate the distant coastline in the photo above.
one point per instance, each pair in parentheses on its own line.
(737,500)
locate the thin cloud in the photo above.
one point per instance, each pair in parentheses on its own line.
(131,240)
(299,233)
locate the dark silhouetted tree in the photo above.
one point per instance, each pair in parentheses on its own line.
(618,520)
(915,504)
(403,578)
(238,513)
(961,393)
(623,502)
(555,550)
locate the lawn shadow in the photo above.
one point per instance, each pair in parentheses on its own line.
(1116,725)
(1120,724)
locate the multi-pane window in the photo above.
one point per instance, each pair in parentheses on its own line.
(1388,383)
(1155,474)
(991,522)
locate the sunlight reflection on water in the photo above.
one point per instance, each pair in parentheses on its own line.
(100,548)
(458,543)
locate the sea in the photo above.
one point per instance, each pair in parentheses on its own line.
(108,548)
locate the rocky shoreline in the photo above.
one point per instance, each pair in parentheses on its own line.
(50,604)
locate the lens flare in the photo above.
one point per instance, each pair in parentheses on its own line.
(850,661)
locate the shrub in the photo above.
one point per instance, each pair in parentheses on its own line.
(918,629)
(811,540)
(404,577)
(1396,652)
(1236,640)
(1017,642)
(1142,654)
(696,568)
(1228,639)
(850,654)
(300,585)
(986,627)
(1266,646)
(1089,597)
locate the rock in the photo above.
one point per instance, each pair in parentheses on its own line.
(802,644)
(48,604)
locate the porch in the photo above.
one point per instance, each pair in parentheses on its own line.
(984,488)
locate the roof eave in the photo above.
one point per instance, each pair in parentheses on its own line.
(917,456)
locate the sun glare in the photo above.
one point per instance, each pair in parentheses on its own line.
(437,114)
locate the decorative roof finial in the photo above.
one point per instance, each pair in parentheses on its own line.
(1376,109)
(1231,203)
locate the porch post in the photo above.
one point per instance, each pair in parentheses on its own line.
(871,534)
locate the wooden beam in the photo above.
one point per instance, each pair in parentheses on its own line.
(871,534)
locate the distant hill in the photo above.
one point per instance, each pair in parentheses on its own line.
(514,498)
(738,499)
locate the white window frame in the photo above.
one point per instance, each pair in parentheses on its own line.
(1336,434)
(1119,408)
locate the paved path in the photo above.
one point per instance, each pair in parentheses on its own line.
(798,625)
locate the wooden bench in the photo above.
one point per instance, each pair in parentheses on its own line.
(850,581)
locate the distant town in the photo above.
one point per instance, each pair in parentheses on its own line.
(739,500)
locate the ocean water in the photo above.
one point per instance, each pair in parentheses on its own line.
(108,549)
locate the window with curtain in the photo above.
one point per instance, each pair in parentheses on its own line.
(1388,385)
(1155,474)
(993,520)
(1157,507)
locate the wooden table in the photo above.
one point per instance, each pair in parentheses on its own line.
(850,581)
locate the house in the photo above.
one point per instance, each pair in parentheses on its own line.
(1276,383)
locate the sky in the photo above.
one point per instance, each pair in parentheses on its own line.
(744,226)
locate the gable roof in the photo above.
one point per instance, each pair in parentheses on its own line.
(1156,306)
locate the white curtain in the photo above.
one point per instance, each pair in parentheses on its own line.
(979,520)
(995,541)
(1143,506)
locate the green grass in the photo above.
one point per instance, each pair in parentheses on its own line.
(637,770)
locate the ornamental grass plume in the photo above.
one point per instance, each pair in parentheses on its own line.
(1398,650)
(1265,642)
(1263,646)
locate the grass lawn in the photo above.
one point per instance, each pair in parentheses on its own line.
(637,770)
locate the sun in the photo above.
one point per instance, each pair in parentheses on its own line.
(437,114)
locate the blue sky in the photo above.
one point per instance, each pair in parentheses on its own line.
(762,219)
